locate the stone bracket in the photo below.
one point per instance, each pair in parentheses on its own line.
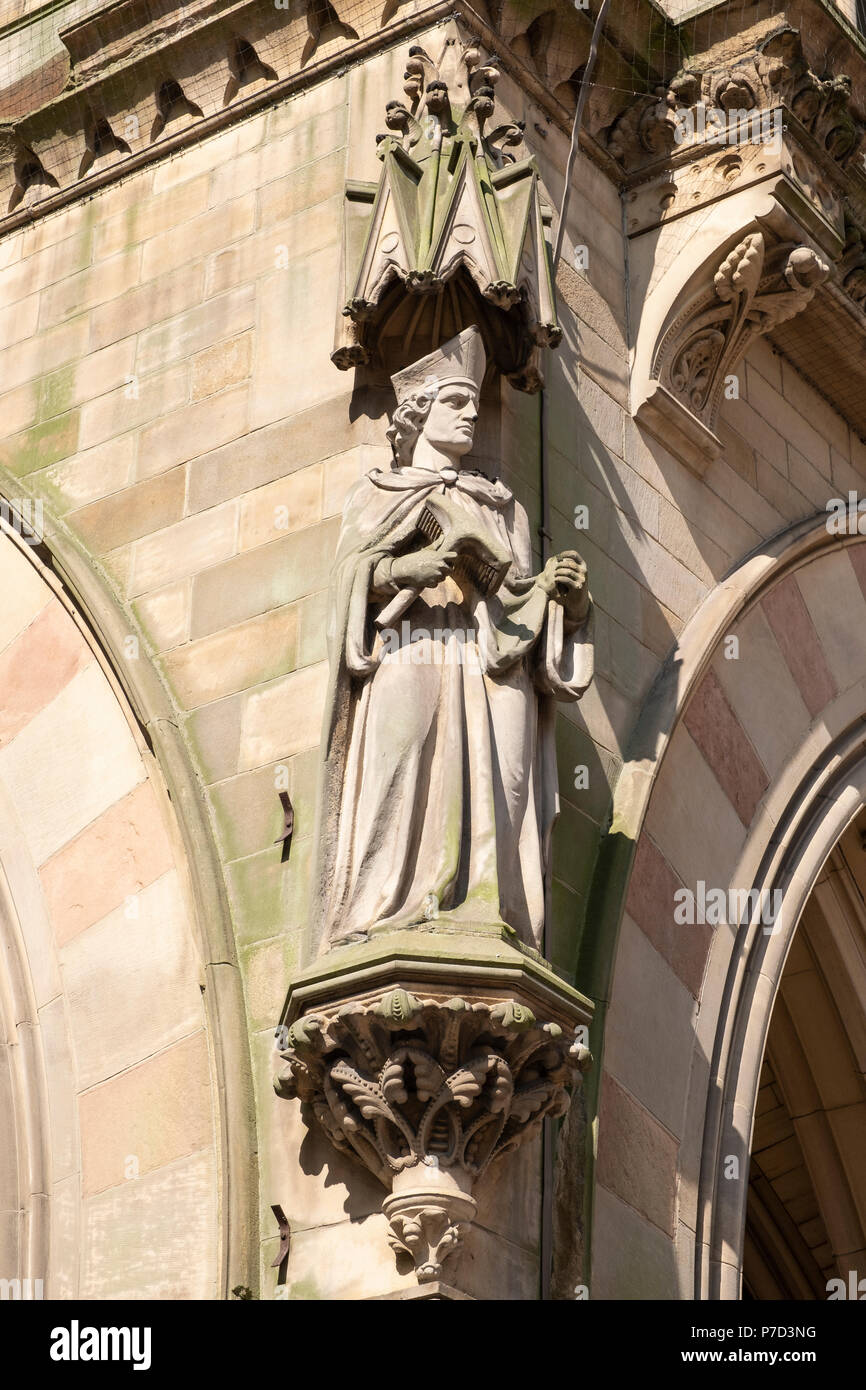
(426,1083)
(688,350)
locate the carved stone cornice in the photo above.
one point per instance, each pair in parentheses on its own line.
(708,101)
(755,141)
(453,197)
(136,80)
(762,118)
(424,1086)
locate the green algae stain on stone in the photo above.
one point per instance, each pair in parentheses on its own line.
(56,392)
(305,1289)
(44,444)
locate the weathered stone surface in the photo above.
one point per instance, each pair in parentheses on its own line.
(213,229)
(72,761)
(287,505)
(723,742)
(224,365)
(166,295)
(37,667)
(277,392)
(26,594)
(834,600)
(148,217)
(188,433)
(760,667)
(137,1240)
(196,329)
(633,1258)
(275,248)
(302,188)
(165,614)
(93,474)
(185,548)
(131,982)
(91,286)
(269,577)
(800,646)
(698,831)
(283,718)
(136,511)
(113,859)
(132,406)
(233,660)
(653,1059)
(156,1112)
(651,902)
(268,454)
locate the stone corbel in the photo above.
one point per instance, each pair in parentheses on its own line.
(708,331)
(427,1065)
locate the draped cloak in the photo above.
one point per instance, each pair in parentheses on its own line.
(438,787)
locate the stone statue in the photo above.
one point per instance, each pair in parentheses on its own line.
(447,653)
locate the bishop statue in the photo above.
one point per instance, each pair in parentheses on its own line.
(447,654)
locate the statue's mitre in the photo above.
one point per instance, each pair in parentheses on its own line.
(461,359)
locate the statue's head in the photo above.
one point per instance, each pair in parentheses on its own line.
(437,398)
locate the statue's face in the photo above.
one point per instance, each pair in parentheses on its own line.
(450,425)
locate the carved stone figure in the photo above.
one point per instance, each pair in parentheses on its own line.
(447,654)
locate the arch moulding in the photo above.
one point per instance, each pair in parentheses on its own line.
(768,825)
(75,581)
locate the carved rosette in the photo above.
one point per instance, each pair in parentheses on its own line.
(427,1093)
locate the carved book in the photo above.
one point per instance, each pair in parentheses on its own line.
(481,561)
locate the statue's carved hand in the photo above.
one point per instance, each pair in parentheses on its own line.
(564,579)
(423,569)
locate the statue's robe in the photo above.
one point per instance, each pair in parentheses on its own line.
(439,784)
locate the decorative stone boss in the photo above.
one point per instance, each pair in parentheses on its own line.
(438,797)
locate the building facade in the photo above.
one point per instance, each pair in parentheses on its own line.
(229,234)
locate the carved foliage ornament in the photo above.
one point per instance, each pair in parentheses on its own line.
(452,196)
(752,292)
(427,1093)
(851,269)
(774,73)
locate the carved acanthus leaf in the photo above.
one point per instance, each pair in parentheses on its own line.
(752,292)
(426,1094)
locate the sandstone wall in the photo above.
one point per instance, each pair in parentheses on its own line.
(167,390)
(110,1150)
